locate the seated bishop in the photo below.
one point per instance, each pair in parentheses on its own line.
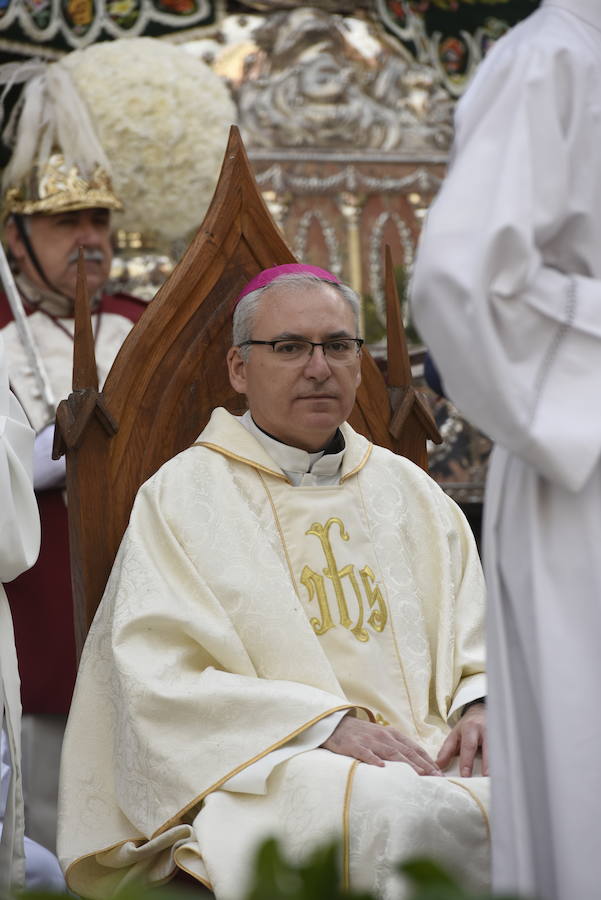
(290,643)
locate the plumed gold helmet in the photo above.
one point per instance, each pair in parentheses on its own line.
(55,186)
(57,163)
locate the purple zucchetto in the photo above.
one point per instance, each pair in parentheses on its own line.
(268,275)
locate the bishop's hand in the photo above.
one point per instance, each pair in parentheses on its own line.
(465,740)
(376,744)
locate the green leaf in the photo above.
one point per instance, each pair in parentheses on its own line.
(424,872)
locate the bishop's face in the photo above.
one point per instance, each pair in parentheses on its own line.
(300,403)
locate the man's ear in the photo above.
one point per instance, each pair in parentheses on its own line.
(236,368)
(13,241)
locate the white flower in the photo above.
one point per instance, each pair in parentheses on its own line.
(163,118)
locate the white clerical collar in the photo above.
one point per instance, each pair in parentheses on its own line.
(299,466)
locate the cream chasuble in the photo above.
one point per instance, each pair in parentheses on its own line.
(240,612)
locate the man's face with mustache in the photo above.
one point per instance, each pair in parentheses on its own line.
(56,240)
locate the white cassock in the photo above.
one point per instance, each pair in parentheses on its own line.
(507,293)
(19,545)
(241,612)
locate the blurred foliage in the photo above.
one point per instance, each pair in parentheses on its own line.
(319,878)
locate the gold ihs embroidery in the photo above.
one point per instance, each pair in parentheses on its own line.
(316,586)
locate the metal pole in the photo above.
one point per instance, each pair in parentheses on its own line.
(25,336)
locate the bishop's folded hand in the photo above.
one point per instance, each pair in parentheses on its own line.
(377,744)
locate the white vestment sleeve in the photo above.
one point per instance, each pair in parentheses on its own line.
(502,291)
(253,780)
(470,689)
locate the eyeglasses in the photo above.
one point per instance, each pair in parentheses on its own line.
(338,351)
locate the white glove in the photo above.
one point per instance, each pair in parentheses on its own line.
(47,472)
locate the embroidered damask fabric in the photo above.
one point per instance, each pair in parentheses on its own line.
(241,611)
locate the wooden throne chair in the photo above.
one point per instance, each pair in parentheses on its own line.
(170,374)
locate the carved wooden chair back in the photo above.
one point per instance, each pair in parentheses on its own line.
(170,374)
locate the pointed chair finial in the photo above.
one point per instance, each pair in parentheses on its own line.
(85,375)
(399,364)
(74,414)
(412,422)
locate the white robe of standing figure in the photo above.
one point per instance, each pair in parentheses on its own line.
(19,545)
(507,294)
(23,863)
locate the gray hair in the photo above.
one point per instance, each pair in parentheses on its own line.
(246,310)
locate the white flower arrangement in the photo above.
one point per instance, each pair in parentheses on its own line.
(163,118)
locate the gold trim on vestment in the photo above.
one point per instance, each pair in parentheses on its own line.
(476,800)
(242,459)
(174,820)
(359,465)
(182,868)
(137,842)
(275,472)
(346,830)
(280,532)
(392,630)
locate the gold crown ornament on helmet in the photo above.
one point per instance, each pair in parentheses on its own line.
(57,163)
